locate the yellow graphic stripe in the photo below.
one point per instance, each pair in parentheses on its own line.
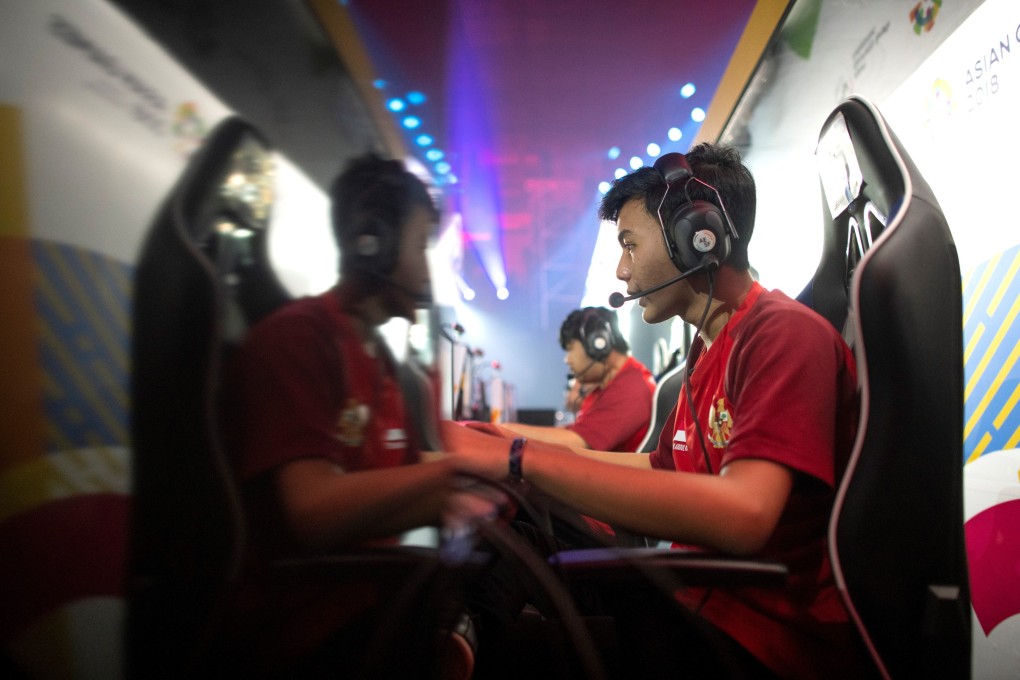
(101,286)
(974,340)
(993,346)
(1001,376)
(85,386)
(982,284)
(87,305)
(1014,440)
(62,475)
(1007,408)
(21,423)
(980,448)
(1007,279)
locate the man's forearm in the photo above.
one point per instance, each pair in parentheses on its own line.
(553,435)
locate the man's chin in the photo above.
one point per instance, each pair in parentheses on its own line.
(651,315)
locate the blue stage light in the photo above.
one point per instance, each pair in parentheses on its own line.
(636,162)
(604,187)
(423,140)
(396,104)
(416,98)
(412,122)
(698,114)
(653,150)
(434,155)
(614,153)
(687,90)
(674,134)
(442,167)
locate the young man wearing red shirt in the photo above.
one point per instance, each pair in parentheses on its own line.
(616,406)
(751,456)
(324,446)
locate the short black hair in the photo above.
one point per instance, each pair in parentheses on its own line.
(374,188)
(717,165)
(570,329)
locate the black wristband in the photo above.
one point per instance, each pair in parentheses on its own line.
(516,457)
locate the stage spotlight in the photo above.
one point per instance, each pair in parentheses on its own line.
(653,150)
(604,187)
(396,104)
(423,140)
(502,293)
(412,122)
(698,114)
(687,90)
(614,153)
(674,134)
(416,98)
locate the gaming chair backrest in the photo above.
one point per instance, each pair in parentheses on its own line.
(202,277)
(897,527)
(665,397)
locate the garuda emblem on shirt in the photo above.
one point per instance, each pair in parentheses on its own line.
(720,423)
(350,425)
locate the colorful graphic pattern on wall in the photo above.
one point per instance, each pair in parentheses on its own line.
(991,299)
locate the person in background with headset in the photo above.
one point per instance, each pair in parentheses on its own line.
(616,388)
(324,449)
(757,444)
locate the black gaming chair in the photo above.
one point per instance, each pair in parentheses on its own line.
(667,391)
(889,278)
(896,533)
(194,291)
(202,278)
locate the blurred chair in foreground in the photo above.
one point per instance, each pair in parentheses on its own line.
(203,278)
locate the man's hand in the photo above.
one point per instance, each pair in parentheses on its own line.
(475,451)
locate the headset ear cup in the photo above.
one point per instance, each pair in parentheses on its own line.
(698,229)
(375,247)
(597,336)
(598,346)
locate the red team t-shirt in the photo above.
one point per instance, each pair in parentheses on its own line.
(313,390)
(616,418)
(779,384)
(305,386)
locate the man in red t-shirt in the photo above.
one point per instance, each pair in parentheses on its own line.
(617,389)
(753,452)
(323,444)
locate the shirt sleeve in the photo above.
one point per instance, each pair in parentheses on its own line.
(623,407)
(789,390)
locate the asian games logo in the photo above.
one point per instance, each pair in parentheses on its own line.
(923,15)
(188,127)
(939,105)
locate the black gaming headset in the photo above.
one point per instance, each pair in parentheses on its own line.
(374,240)
(694,229)
(596,335)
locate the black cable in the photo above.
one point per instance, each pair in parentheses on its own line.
(559,596)
(689,368)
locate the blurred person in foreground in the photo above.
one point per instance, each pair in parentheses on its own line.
(324,445)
